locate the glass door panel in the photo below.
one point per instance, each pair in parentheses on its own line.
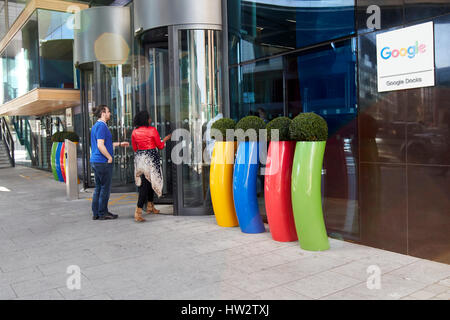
(199,94)
(157,97)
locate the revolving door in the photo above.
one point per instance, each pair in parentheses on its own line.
(180,85)
(109,85)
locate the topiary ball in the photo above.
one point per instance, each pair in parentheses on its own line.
(222,125)
(61,136)
(72,136)
(56,137)
(308,127)
(282,124)
(251,122)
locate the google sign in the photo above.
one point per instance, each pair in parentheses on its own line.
(405,58)
(411,52)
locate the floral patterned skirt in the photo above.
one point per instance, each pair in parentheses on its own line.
(148,163)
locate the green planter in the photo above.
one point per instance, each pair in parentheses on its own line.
(307,197)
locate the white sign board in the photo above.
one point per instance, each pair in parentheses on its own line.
(405,58)
(69,117)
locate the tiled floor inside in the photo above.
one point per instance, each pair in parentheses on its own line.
(173,257)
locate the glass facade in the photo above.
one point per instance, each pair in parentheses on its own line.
(56,50)
(39,55)
(19,62)
(385,173)
(263,28)
(320,80)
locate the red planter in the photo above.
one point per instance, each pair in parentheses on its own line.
(277,191)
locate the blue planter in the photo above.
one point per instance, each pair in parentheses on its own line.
(244,188)
(58,161)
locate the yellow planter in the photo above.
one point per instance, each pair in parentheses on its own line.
(221,183)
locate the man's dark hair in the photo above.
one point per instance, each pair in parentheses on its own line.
(141,119)
(98,110)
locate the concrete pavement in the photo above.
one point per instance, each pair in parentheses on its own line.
(172,257)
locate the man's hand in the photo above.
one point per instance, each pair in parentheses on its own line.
(110,160)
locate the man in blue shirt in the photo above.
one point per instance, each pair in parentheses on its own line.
(102,152)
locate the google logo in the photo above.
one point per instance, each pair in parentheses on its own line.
(412,51)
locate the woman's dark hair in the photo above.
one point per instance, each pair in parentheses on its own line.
(98,110)
(141,119)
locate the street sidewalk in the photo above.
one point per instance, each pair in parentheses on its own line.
(43,236)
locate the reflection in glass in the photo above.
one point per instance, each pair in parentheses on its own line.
(15,8)
(3,19)
(56,50)
(391,14)
(422,9)
(260,90)
(200,101)
(19,71)
(320,80)
(263,28)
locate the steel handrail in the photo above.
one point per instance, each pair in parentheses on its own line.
(8,140)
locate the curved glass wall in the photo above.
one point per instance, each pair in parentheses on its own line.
(200,101)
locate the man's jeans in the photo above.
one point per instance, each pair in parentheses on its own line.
(103,177)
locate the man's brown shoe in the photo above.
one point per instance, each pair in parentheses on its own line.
(138,215)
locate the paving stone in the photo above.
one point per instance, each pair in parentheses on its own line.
(422,295)
(44,295)
(320,285)
(171,257)
(436,288)
(281,293)
(423,271)
(392,288)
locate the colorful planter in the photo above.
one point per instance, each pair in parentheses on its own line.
(58,161)
(277,191)
(244,187)
(221,183)
(306,195)
(52,160)
(62,161)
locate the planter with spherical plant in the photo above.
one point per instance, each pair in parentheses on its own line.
(57,158)
(277,181)
(311,132)
(245,175)
(221,172)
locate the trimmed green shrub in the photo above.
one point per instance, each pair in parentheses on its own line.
(308,127)
(282,124)
(61,136)
(251,122)
(222,125)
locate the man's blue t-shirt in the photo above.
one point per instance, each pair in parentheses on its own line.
(100,131)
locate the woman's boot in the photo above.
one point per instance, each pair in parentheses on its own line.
(138,215)
(151,208)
